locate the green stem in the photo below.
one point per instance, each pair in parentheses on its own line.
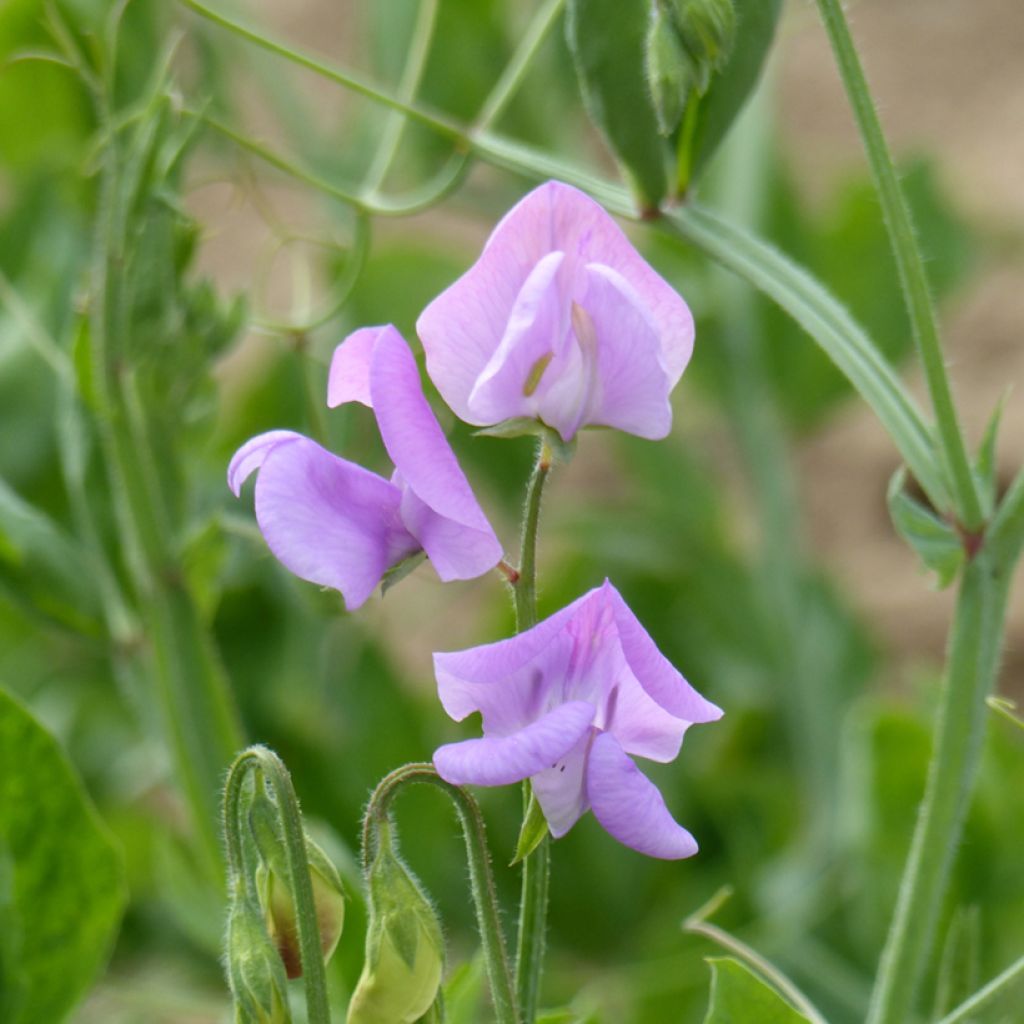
(533,902)
(970,672)
(198,716)
(485,898)
(300,884)
(525,587)
(697,924)
(909,263)
(994,990)
(533,909)
(412,73)
(437,122)
(515,70)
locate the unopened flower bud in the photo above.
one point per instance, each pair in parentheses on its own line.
(281,923)
(404,947)
(255,972)
(707,29)
(669,70)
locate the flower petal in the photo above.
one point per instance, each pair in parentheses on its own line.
(633,384)
(500,760)
(630,807)
(251,455)
(561,789)
(466,546)
(576,223)
(507,681)
(349,376)
(507,386)
(329,521)
(654,671)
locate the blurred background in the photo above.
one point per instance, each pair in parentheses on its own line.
(754,543)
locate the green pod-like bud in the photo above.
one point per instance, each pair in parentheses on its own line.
(670,72)
(707,31)
(254,968)
(404,946)
(276,895)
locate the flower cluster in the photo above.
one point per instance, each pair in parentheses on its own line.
(561,323)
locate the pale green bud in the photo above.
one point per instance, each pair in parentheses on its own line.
(255,971)
(707,31)
(404,947)
(281,923)
(669,70)
(276,896)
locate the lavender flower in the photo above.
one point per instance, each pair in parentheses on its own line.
(565,704)
(333,522)
(560,320)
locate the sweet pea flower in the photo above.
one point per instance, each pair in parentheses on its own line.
(564,705)
(560,320)
(334,523)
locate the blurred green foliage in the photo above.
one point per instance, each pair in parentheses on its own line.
(801,798)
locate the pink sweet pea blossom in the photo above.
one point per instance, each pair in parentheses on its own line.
(560,320)
(333,522)
(564,705)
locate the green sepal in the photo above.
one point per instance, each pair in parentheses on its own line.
(532,832)
(397,573)
(936,541)
(739,996)
(523,426)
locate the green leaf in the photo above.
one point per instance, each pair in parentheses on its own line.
(45,565)
(738,996)
(61,878)
(936,542)
(533,830)
(607,39)
(729,89)
(985,467)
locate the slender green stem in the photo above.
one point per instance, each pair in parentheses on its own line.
(437,122)
(989,993)
(532,934)
(485,897)
(970,672)
(533,902)
(515,70)
(525,587)
(300,884)
(198,716)
(909,263)
(412,73)
(697,924)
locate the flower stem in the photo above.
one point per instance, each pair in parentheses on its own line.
(533,902)
(485,898)
(525,587)
(265,761)
(909,263)
(968,1009)
(970,672)
(198,716)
